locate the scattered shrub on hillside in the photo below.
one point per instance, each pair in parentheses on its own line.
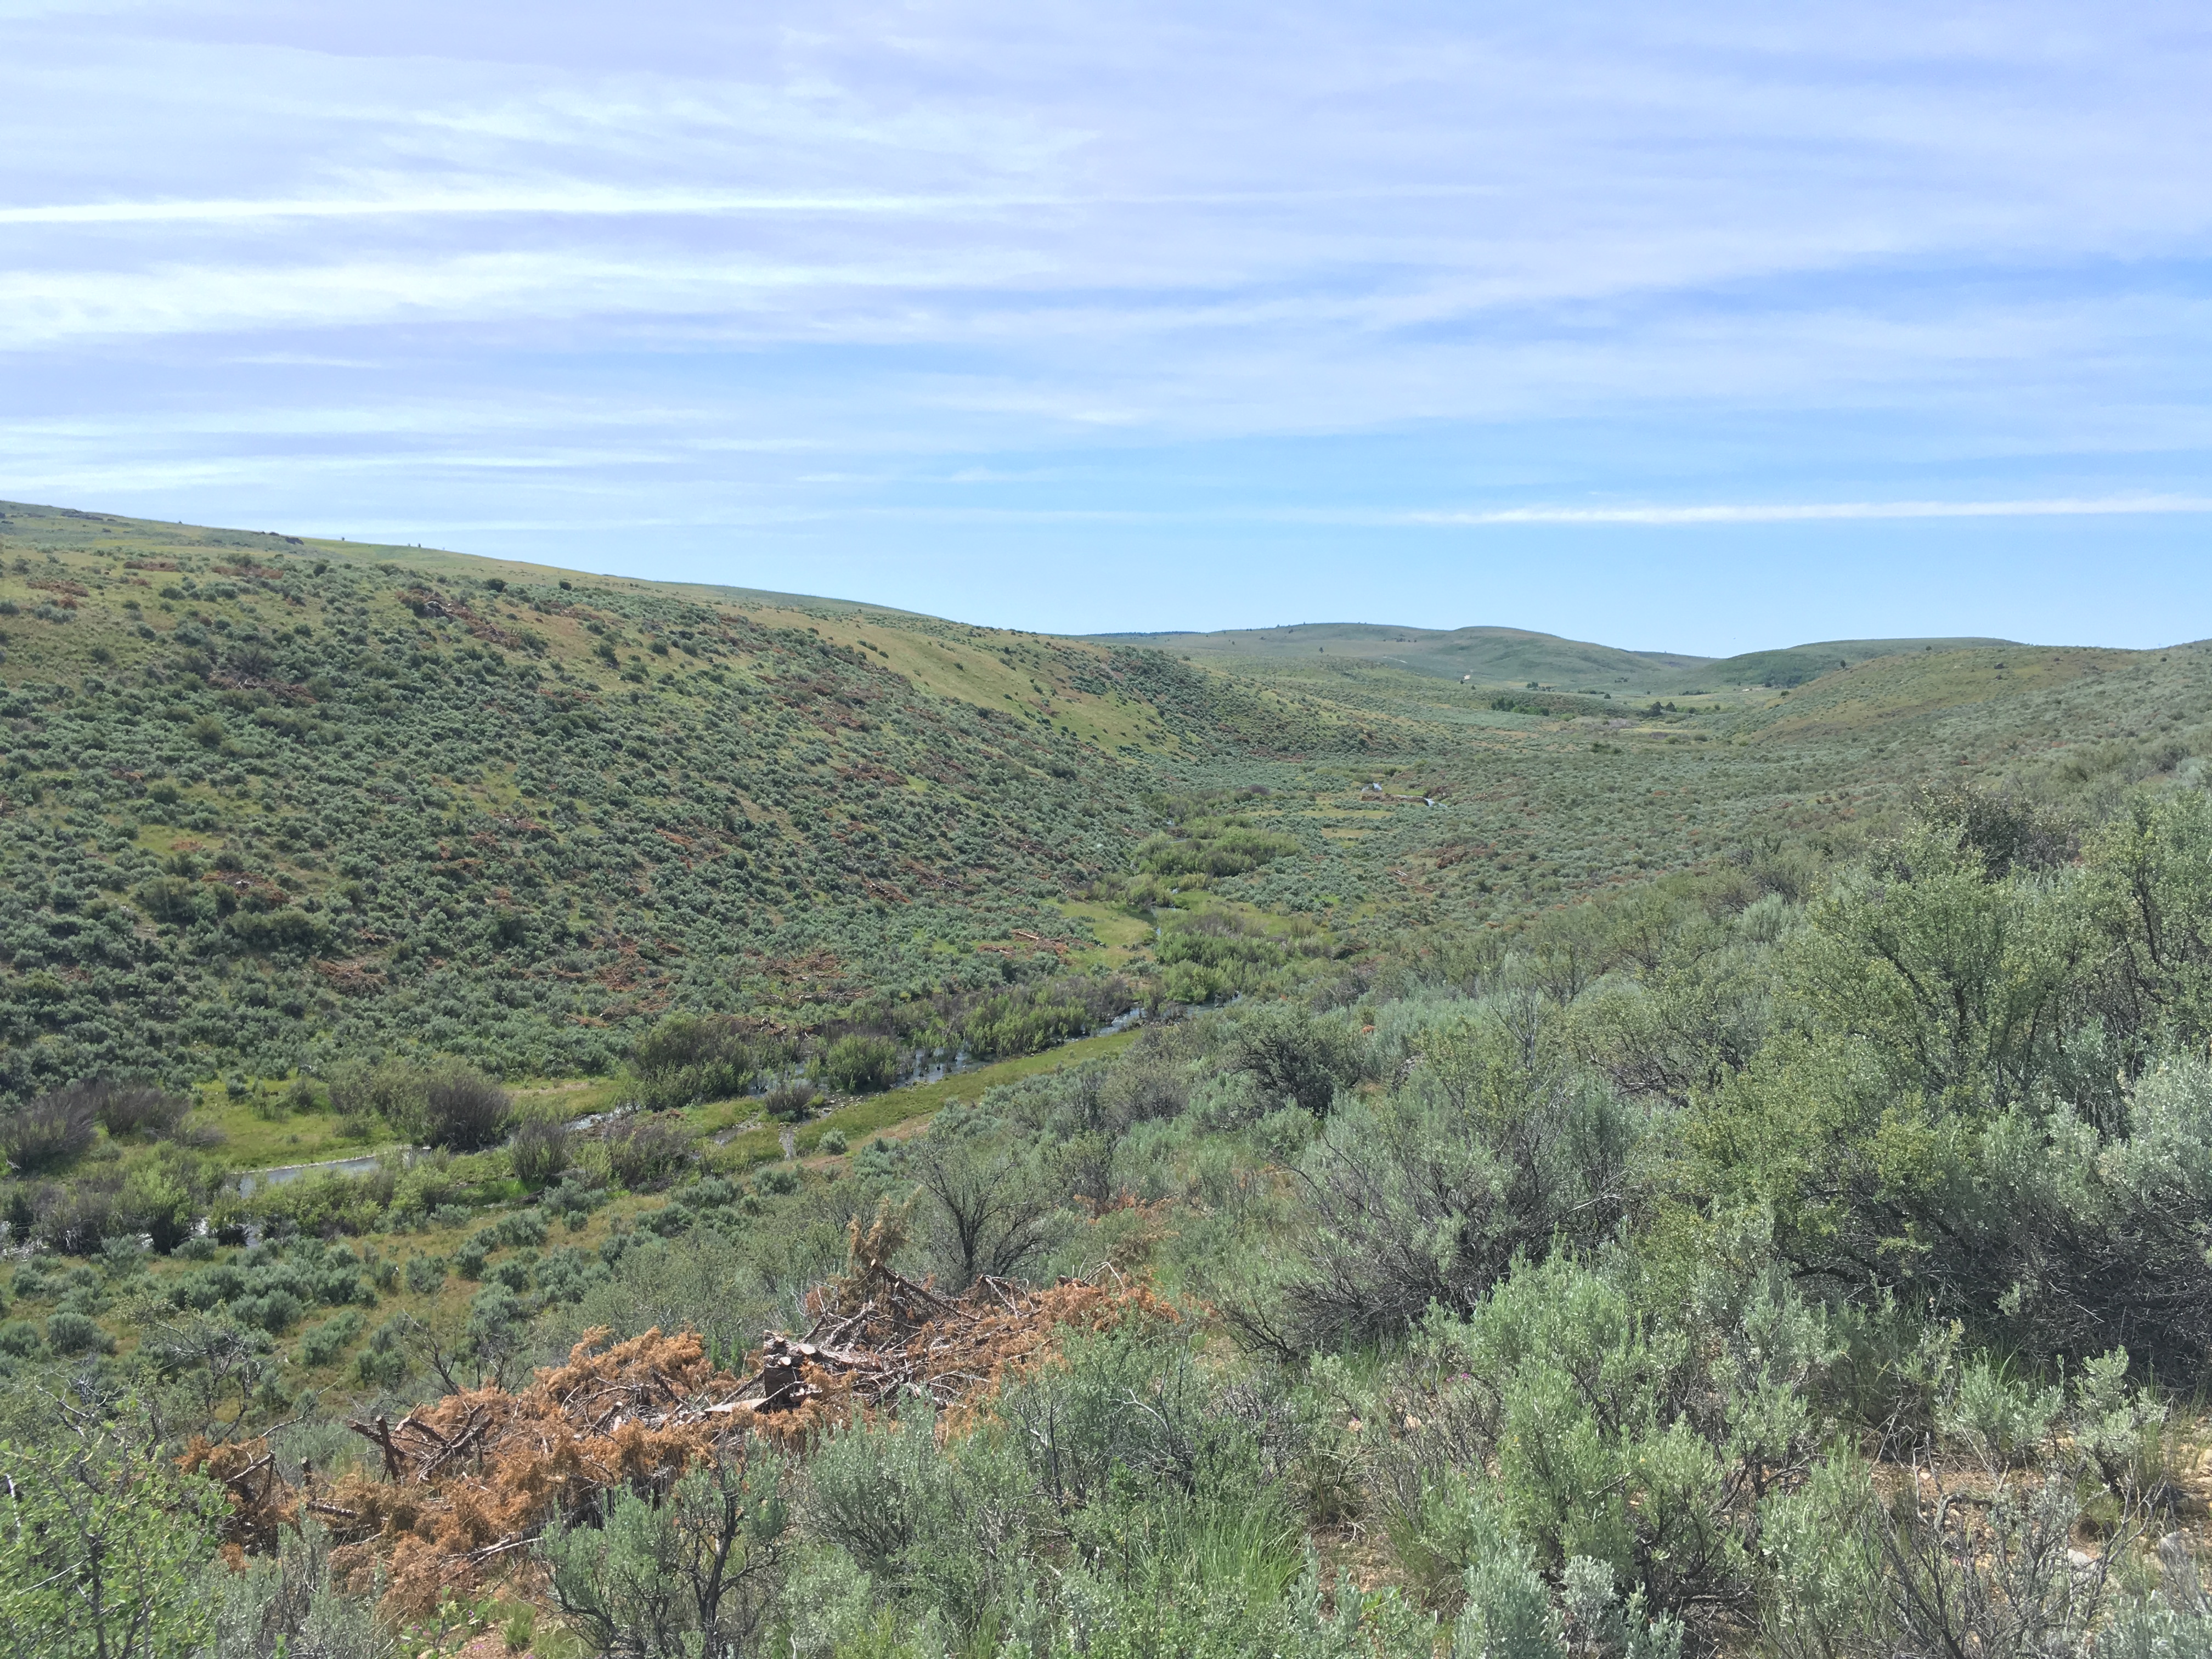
(425,1274)
(72,1333)
(464,1111)
(50,1130)
(1295,1056)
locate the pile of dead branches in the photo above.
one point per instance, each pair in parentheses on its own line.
(456,1487)
(458,1483)
(878,1336)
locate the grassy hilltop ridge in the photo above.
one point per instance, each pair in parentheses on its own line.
(1513,657)
(1507,656)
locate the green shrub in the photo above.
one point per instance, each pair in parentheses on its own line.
(321,1344)
(689,1058)
(359,1094)
(698,1572)
(125,1108)
(1602,1431)
(790,1104)
(50,1130)
(464,1111)
(70,1333)
(539,1153)
(1211,849)
(107,1549)
(1295,1056)
(169,899)
(425,1274)
(20,1338)
(517,1228)
(645,1152)
(859,1065)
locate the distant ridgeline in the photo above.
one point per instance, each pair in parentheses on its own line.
(1519,659)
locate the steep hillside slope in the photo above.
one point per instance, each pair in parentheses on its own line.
(267,799)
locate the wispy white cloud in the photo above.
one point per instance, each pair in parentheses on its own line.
(1295,265)
(554,201)
(1819,512)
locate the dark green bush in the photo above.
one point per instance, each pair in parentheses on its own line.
(644,1152)
(689,1058)
(50,1130)
(124,1108)
(791,1103)
(393,1092)
(72,1334)
(859,1065)
(464,1110)
(1295,1056)
(539,1152)
(1209,848)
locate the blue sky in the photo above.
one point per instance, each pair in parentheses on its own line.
(1727,328)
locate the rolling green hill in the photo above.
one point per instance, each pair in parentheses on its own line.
(1491,656)
(1515,657)
(1797,664)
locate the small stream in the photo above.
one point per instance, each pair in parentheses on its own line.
(252,1181)
(933,1067)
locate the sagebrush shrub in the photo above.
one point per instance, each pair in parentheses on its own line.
(1295,1056)
(72,1333)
